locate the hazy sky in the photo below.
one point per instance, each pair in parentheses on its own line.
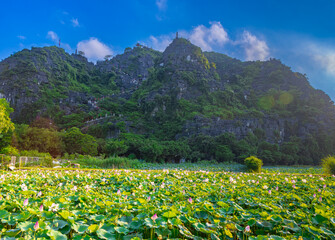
(299,33)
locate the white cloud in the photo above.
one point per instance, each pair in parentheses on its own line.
(198,36)
(75,22)
(161,4)
(324,57)
(56,39)
(206,38)
(21,37)
(217,34)
(255,49)
(94,49)
(160,43)
(52,35)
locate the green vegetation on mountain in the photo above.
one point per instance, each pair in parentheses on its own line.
(164,107)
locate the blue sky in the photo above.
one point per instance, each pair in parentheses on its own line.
(299,33)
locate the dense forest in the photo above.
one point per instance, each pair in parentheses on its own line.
(163,107)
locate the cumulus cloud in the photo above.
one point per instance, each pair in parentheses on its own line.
(21,37)
(94,49)
(206,38)
(159,43)
(75,22)
(323,57)
(52,35)
(161,4)
(255,49)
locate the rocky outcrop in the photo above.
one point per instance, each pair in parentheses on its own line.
(159,86)
(274,130)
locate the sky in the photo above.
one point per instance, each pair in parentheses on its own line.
(299,33)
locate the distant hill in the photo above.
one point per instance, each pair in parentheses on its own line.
(178,94)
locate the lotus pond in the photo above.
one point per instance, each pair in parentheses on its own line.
(165,204)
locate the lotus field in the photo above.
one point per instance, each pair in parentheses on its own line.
(165,204)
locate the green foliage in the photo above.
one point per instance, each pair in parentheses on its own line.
(77,142)
(45,158)
(9,150)
(6,125)
(217,87)
(253,164)
(224,154)
(41,139)
(328,165)
(110,162)
(121,204)
(115,147)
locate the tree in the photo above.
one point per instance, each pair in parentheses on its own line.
(77,142)
(42,140)
(6,125)
(81,53)
(115,147)
(41,122)
(224,154)
(5,122)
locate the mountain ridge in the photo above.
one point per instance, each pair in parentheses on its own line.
(180,93)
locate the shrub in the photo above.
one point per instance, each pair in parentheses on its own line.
(328,165)
(111,162)
(253,164)
(45,159)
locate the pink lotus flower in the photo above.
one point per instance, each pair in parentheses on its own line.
(314,195)
(41,208)
(277,188)
(154,217)
(294,186)
(247,229)
(119,192)
(25,203)
(36,226)
(324,186)
(320,199)
(270,192)
(149,198)
(39,194)
(190,200)
(319,190)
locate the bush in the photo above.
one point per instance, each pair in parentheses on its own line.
(328,165)
(253,164)
(111,162)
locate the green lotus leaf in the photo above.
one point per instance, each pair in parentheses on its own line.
(103,234)
(59,224)
(55,235)
(4,214)
(80,228)
(251,222)
(25,226)
(318,219)
(12,232)
(274,237)
(135,225)
(93,228)
(169,214)
(328,232)
(122,230)
(276,218)
(291,225)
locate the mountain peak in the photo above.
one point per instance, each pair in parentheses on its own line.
(182,53)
